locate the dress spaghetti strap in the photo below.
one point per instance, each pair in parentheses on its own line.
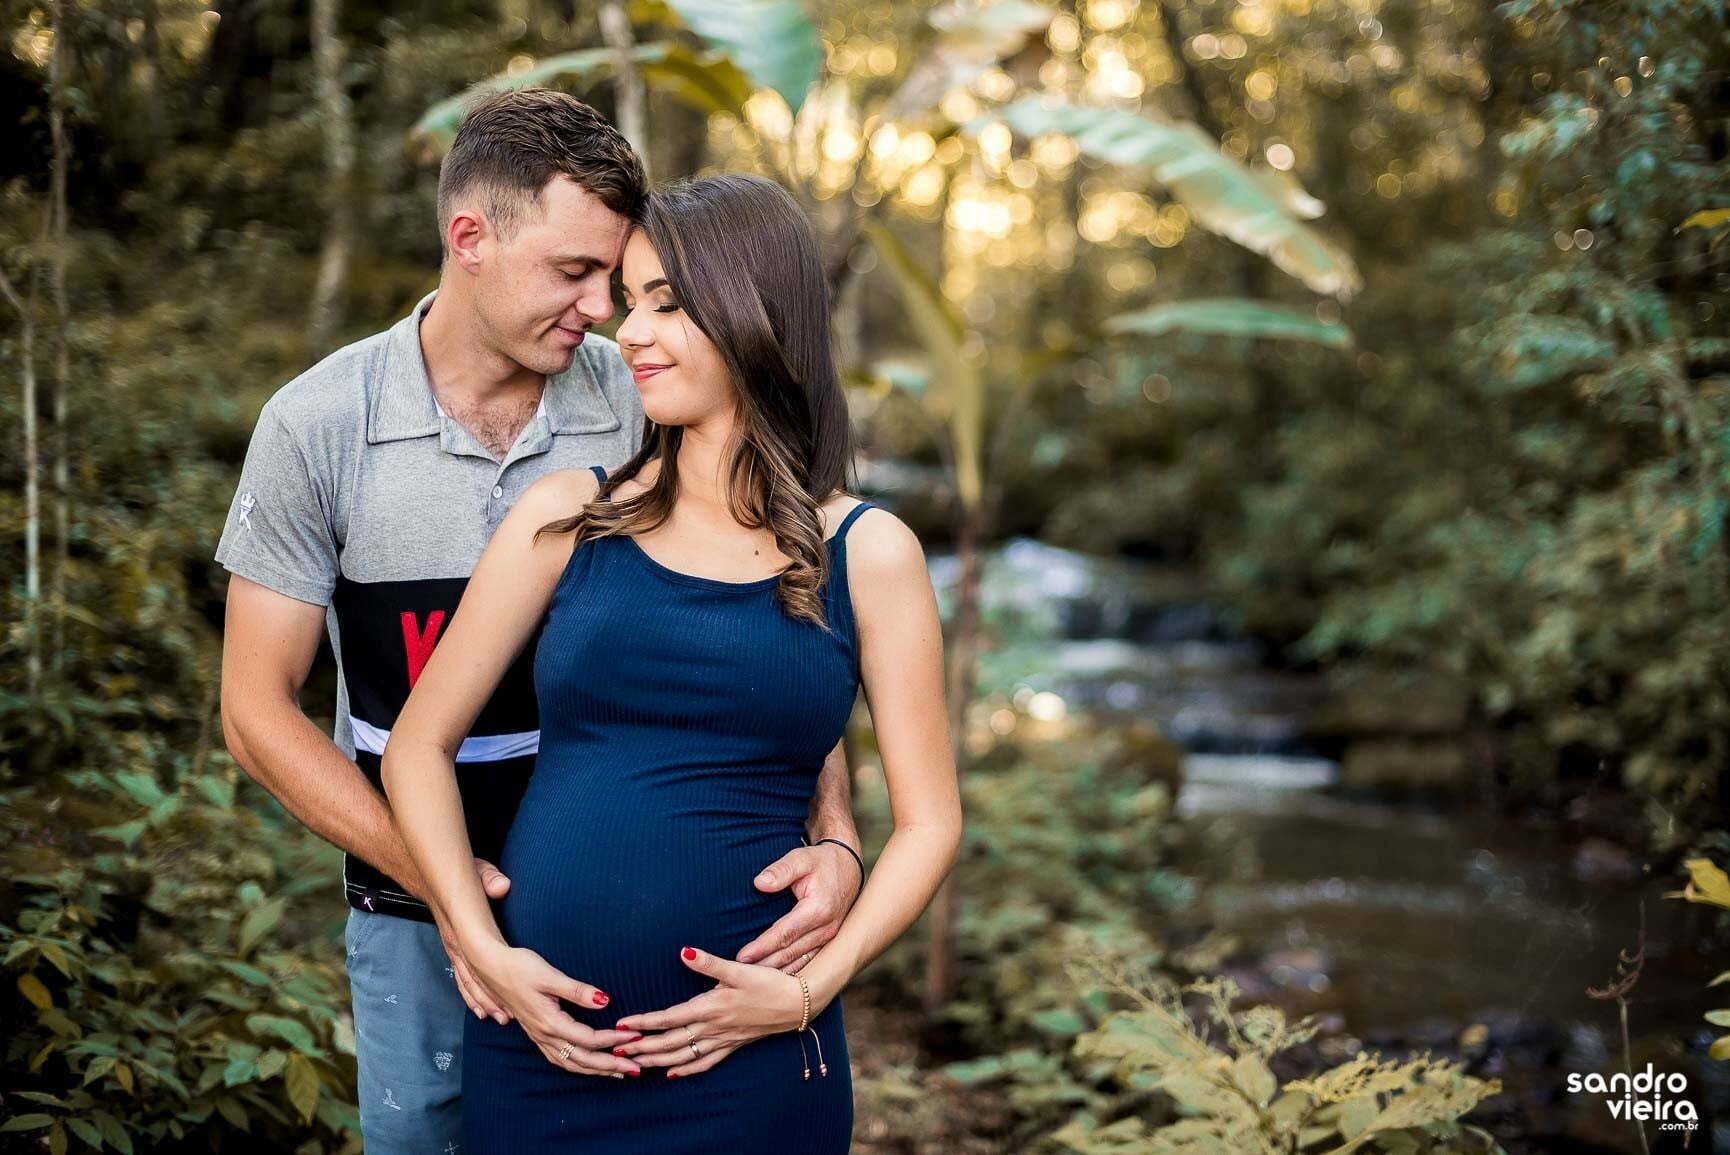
(852,515)
(600,474)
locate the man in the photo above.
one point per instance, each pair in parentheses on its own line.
(371,485)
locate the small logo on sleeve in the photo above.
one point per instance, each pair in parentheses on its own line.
(247,501)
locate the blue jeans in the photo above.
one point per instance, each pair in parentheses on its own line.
(408,1036)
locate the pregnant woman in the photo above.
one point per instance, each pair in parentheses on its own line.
(707,614)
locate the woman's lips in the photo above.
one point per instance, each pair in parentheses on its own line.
(645,370)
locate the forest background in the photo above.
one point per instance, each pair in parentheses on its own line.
(1384,342)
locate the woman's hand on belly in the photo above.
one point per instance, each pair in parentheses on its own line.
(530,989)
(748,1002)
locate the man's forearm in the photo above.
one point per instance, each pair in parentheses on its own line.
(831,814)
(283,751)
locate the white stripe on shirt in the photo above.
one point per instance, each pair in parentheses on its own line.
(478,748)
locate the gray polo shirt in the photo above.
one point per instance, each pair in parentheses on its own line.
(360,494)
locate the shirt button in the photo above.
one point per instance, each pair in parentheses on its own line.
(498,491)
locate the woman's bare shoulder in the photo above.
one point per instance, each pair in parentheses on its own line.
(835,510)
(878,542)
(559,494)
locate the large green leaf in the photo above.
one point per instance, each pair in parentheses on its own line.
(1222,196)
(260,921)
(969,40)
(772,41)
(710,81)
(957,395)
(438,125)
(292,1030)
(1707,883)
(303,1086)
(1231,317)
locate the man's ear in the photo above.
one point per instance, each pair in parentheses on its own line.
(465,234)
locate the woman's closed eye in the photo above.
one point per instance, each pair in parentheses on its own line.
(664,307)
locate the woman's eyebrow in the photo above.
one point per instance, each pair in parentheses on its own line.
(654,284)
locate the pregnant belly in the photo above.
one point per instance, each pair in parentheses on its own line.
(610,895)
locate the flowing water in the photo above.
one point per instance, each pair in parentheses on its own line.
(1409,921)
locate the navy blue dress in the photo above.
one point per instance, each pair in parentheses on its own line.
(684,722)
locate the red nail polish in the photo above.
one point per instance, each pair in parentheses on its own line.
(689,953)
(633,1074)
(600,999)
(619,1051)
(671,1075)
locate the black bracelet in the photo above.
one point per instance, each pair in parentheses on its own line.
(851,851)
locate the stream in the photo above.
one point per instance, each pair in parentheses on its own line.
(1406,919)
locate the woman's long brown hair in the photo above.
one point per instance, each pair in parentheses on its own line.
(742,261)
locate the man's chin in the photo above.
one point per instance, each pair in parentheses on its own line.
(548,360)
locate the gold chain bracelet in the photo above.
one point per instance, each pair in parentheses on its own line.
(804,1019)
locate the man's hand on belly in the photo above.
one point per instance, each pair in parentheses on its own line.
(825,880)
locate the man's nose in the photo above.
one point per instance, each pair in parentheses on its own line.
(596,304)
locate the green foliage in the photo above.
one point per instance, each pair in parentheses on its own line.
(1572,567)
(439,123)
(1258,210)
(1708,884)
(170,980)
(1522,483)
(1227,1096)
(1065,994)
(1231,318)
(767,43)
(772,41)
(1065,854)
(161,995)
(969,40)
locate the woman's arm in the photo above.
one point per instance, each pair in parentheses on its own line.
(901,666)
(505,599)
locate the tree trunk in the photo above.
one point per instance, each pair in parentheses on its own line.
(151,93)
(627,85)
(62,319)
(1247,269)
(941,967)
(337,118)
(253,38)
(32,485)
(681,142)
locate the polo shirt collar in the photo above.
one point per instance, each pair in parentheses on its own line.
(404,406)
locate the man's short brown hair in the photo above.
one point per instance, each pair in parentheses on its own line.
(512,143)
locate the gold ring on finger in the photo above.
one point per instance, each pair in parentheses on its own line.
(565,1052)
(695,1053)
(688,1034)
